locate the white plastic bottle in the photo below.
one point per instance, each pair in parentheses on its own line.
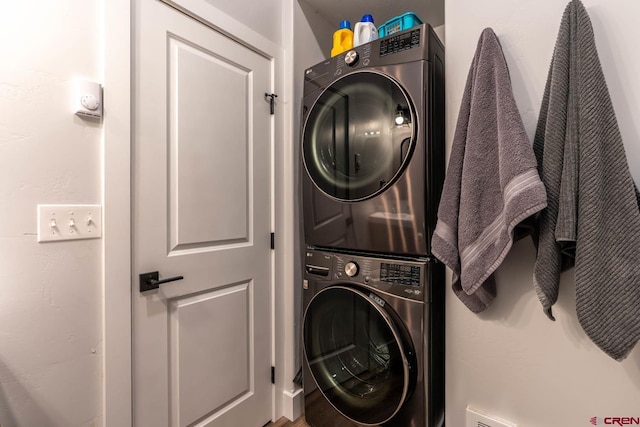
(364,31)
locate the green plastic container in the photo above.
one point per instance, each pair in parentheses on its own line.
(399,23)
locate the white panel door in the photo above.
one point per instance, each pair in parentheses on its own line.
(202,203)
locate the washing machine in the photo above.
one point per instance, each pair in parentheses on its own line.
(373,145)
(373,340)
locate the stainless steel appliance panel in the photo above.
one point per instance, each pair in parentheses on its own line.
(368,327)
(373,146)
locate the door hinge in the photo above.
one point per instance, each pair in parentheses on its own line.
(273,375)
(273,240)
(272,102)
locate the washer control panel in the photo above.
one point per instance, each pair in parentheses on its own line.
(351,269)
(400,273)
(402,277)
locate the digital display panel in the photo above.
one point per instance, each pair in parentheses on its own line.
(401,42)
(400,274)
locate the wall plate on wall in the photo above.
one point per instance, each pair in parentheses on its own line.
(477,419)
(69,222)
(88,99)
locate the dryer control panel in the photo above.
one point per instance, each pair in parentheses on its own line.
(403,41)
(415,44)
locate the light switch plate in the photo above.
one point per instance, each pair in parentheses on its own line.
(476,418)
(69,222)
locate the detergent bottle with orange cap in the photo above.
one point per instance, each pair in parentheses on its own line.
(342,38)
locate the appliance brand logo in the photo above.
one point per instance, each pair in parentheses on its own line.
(615,421)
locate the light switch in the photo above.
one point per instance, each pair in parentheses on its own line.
(69,222)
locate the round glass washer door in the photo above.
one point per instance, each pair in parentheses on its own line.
(357,356)
(358,136)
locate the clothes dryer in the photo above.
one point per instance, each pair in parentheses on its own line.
(373,339)
(373,145)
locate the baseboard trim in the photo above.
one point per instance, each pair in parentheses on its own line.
(292,404)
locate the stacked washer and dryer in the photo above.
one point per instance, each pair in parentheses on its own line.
(373,298)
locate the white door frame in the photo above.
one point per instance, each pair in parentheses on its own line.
(117,363)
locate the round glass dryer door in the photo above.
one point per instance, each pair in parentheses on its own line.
(356,355)
(358,136)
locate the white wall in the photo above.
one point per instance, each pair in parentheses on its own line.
(50,336)
(311,44)
(264,17)
(510,360)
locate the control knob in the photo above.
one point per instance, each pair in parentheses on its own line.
(351,269)
(351,58)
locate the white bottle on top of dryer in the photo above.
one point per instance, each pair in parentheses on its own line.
(364,31)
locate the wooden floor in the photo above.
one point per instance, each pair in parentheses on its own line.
(283,422)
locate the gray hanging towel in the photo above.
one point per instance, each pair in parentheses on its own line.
(492,182)
(592,219)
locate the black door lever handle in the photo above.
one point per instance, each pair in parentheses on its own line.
(149,281)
